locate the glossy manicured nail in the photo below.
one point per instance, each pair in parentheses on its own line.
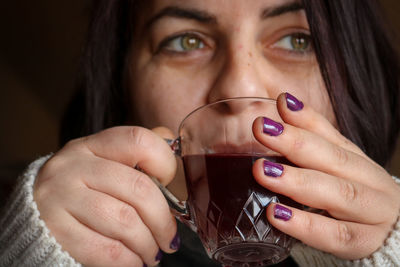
(175,243)
(282,213)
(272,169)
(293,103)
(144,265)
(271,127)
(159,255)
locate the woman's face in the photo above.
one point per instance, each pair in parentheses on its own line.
(190,53)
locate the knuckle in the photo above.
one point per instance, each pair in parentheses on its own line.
(47,174)
(54,164)
(298,142)
(301,180)
(343,237)
(73,142)
(41,193)
(346,142)
(340,155)
(97,251)
(142,186)
(348,191)
(137,137)
(113,251)
(308,225)
(127,216)
(76,143)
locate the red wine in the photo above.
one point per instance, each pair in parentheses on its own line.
(226,201)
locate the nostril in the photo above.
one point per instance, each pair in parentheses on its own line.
(237,107)
(231,107)
(245,105)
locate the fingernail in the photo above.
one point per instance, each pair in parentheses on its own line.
(282,213)
(144,265)
(159,255)
(293,103)
(271,127)
(272,169)
(175,243)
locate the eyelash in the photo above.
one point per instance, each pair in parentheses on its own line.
(168,41)
(304,39)
(300,35)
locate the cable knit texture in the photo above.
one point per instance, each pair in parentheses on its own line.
(26,241)
(24,238)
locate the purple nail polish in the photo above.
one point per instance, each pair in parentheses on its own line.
(159,255)
(144,265)
(271,127)
(293,103)
(282,213)
(272,169)
(175,243)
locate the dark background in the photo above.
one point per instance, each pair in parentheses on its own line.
(40,45)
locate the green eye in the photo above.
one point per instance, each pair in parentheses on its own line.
(184,43)
(298,42)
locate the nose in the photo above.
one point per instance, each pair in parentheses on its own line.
(241,74)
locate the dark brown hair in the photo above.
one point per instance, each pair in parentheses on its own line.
(356,55)
(361,71)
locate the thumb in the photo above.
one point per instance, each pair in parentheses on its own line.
(178,185)
(164,132)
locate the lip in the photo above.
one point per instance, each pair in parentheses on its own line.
(247,148)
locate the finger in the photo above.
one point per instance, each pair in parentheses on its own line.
(301,115)
(308,150)
(178,185)
(87,246)
(343,199)
(343,239)
(116,220)
(134,147)
(140,192)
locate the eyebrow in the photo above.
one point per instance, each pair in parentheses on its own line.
(178,12)
(290,7)
(207,18)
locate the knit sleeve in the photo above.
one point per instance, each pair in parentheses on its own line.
(24,238)
(387,255)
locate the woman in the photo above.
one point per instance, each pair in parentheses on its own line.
(149,63)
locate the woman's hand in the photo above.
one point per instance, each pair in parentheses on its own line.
(101,209)
(361,199)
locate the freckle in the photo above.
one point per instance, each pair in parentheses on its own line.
(250,54)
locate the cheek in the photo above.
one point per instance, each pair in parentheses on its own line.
(323,105)
(311,89)
(163,97)
(318,98)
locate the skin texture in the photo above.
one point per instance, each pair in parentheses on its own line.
(90,190)
(241,57)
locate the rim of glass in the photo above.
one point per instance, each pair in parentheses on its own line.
(271,100)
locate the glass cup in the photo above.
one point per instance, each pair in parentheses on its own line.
(226,207)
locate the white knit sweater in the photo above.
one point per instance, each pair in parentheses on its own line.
(26,241)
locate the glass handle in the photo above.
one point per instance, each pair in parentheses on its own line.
(175,145)
(178,208)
